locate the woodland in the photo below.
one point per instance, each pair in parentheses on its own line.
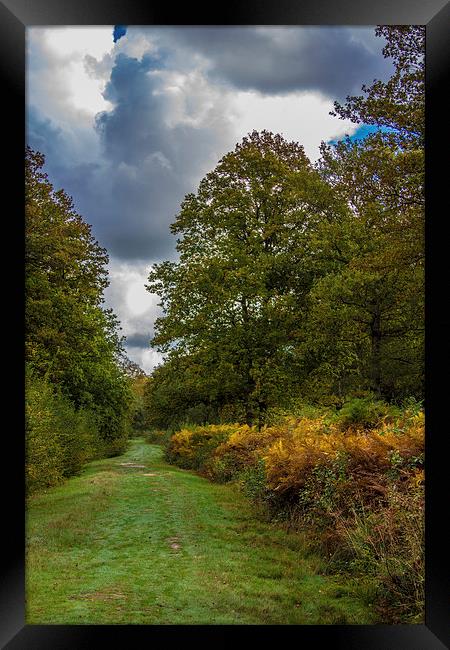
(292,332)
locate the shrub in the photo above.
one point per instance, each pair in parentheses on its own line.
(388,544)
(361,494)
(44,454)
(356,489)
(59,438)
(158,437)
(253,482)
(112,419)
(366,460)
(77,433)
(192,447)
(113,447)
(365,413)
(241,450)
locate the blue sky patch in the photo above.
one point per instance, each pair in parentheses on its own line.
(119,31)
(363,131)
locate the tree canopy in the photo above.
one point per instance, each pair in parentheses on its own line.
(71,340)
(296,279)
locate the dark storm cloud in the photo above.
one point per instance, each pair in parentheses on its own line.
(43,136)
(170,118)
(133,192)
(150,165)
(79,180)
(132,130)
(114,202)
(332,60)
(138,341)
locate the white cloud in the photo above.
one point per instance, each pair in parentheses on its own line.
(138,300)
(136,43)
(128,297)
(302,117)
(136,309)
(63,89)
(146,359)
(76,41)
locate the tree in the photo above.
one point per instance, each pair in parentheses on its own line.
(71,341)
(233,301)
(398,103)
(137,380)
(378,283)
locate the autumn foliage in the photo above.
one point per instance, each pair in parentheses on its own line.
(358,490)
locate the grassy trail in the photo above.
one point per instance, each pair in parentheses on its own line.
(135,540)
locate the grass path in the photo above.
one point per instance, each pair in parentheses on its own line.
(135,540)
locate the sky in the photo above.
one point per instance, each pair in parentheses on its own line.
(130,119)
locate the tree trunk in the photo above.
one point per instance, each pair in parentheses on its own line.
(262,408)
(249,415)
(247,364)
(376,336)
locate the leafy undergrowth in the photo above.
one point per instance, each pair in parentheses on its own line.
(353,481)
(135,540)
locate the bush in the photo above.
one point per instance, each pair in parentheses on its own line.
(59,438)
(388,545)
(361,495)
(357,490)
(192,447)
(77,434)
(365,413)
(113,447)
(112,417)
(253,481)
(158,437)
(367,460)
(44,455)
(240,451)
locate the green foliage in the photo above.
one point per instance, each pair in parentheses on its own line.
(370,302)
(71,342)
(193,446)
(59,439)
(176,395)
(137,380)
(44,456)
(398,103)
(253,480)
(158,437)
(300,281)
(365,413)
(232,303)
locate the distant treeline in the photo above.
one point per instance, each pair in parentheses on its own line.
(297,280)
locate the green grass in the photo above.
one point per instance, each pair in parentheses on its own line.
(116,545)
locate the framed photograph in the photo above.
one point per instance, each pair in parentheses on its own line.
(131,109)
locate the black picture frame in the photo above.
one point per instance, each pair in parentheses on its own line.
(15,16)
